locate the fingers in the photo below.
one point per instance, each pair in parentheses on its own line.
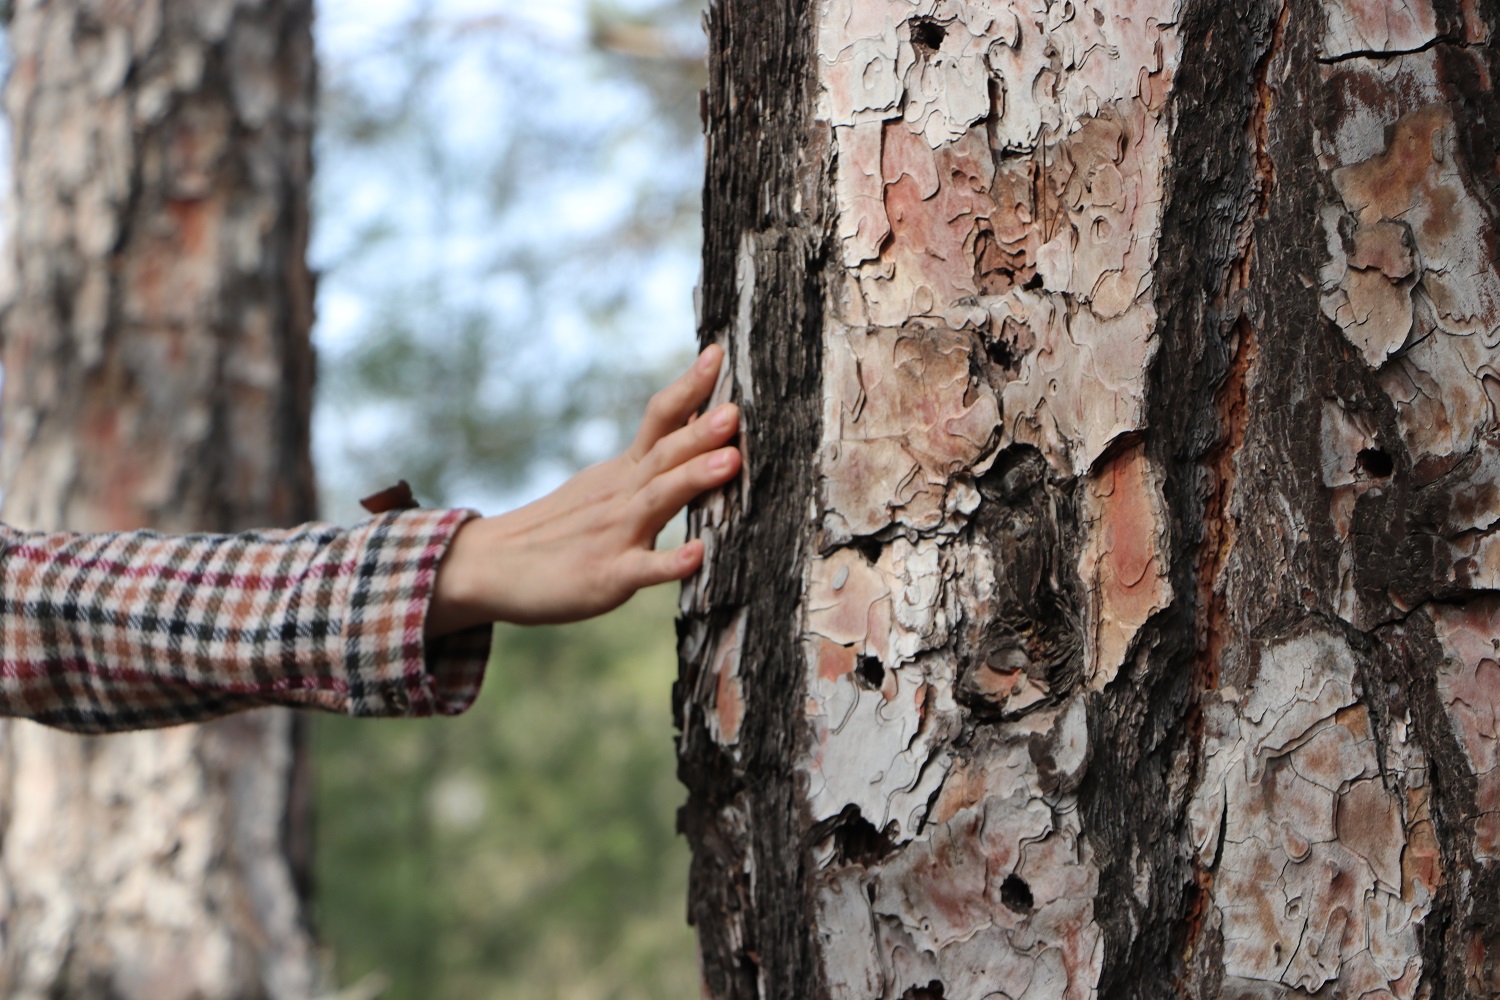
(671,408)
(699,436)
(669,492)
(648,568)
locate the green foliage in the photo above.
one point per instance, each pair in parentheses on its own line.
(460,419)
(525,849)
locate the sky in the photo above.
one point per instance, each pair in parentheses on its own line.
(530,186)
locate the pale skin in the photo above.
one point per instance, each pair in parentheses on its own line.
(585,548)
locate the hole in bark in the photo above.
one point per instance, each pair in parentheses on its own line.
(927,35)
(932,991)
(1000,353)
(1016,894)
(855,839)
(870,673)
(869,547)
(1036,282)
(1006,346)
(1376,462)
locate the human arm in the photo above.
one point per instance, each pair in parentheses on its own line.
(390,617)
(130,630)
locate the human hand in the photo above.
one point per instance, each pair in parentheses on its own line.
(585,548)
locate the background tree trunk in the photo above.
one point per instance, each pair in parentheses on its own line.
(1109,605)
(157,373)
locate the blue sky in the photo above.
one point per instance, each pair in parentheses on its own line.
(529,187)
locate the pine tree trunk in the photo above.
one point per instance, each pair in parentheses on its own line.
(1108,608)
(157,373)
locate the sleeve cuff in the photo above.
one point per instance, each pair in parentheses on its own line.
(391,667)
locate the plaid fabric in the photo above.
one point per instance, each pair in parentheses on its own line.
(139,629)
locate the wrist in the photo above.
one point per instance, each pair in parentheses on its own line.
(458,591)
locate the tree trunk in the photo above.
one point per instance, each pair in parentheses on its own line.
(157,373)
(1108,608)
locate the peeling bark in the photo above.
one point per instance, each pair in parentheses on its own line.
(1130,628)
(158,373)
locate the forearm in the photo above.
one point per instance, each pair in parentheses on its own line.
(101,632)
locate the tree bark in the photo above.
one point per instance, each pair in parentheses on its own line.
(158,373)
(1108,607)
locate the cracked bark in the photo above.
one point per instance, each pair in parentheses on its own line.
(158,373)
(1109,611)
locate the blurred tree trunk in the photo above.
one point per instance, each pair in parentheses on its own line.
(157,373)
(1109,607)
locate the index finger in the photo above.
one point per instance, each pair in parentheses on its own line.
(675,405)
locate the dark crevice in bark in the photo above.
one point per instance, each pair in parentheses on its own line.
(1408,655)
(1028,518)
(855,840)
(745,811)
(1468,75)
(1391,53)
(1391,525)
(868,546)
(1298,352)
(1144,729)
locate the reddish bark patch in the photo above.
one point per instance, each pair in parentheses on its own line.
(1387,185)
(729,702)
(964,789)
(122,464)
(946,885)
(1005,244)
(191,217)
(1129,528)
(934,199)
(1126,569)
(835,660)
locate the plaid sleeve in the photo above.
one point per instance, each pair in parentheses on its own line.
(138,629)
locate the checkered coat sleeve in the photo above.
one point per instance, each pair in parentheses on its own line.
(138,629)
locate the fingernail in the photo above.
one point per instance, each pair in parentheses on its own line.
(720,461)
(723,419)
(706,361)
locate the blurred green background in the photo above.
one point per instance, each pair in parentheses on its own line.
(507,234)
(525,849)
